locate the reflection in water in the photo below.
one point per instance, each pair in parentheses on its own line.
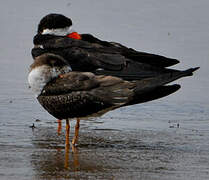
(74,156)
(109,154)
(51,160)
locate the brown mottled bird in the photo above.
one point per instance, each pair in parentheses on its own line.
(70,94)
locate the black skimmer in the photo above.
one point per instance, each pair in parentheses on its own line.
(86,53)
(71,94)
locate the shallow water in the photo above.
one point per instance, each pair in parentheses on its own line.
(136,142)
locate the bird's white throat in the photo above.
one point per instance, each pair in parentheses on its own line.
(41,75)
(58,31)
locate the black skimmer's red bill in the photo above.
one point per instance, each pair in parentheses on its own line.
(70,94)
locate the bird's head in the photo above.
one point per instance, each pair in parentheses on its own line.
(45,68)
(55,24)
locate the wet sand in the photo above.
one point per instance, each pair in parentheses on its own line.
(136,142)
(105,153)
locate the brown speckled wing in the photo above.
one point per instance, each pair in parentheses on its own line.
(77,94)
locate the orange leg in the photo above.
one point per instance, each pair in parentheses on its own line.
(59,126)
(75,138)
(67,132)
(75,158)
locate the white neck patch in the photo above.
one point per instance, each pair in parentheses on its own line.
(59,31)
(40,76)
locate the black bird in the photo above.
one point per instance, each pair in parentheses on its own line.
(86,53)
(71,94)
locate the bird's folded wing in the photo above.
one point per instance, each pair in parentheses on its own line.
(84,56)
(111,91)
(142,57)
(106,89)
(114,53)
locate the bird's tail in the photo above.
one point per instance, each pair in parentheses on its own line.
(148,84)
(157,93)
(153,88)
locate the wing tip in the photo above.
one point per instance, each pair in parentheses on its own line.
(190,71)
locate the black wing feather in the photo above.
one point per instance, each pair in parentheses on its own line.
(102,57)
